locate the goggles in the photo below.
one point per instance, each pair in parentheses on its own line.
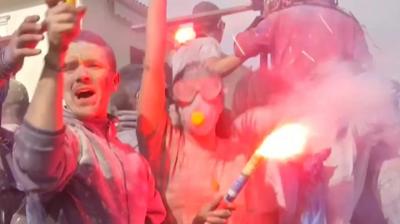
(186,90)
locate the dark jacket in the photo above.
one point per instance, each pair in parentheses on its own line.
(104,180)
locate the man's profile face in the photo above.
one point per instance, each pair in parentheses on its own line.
(89,80)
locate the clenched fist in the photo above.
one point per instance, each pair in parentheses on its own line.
(62,23)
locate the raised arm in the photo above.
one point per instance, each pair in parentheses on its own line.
(46,111)
(225,65)
(152,102)
(45,154)
(247,44)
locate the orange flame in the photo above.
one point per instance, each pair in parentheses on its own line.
(285,142)
(184,34)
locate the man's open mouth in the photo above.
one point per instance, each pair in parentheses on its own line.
(84,94)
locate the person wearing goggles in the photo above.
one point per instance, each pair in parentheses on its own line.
(199,102)
(192,165)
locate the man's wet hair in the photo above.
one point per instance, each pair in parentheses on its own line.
(91,37)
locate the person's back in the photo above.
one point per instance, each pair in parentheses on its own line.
(306,36)
(198,49)
(296,43)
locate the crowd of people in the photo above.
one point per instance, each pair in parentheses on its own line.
(150,144)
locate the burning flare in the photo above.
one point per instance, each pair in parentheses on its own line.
(185,34)
(285,142)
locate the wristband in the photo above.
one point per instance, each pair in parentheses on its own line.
(50,64)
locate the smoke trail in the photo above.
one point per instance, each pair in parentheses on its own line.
(338,97)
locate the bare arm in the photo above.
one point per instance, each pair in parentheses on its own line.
(45,111)
(255,40)
(224,66)
(152,102)
(247,44)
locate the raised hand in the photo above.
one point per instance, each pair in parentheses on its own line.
(23,42)
(62,23)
